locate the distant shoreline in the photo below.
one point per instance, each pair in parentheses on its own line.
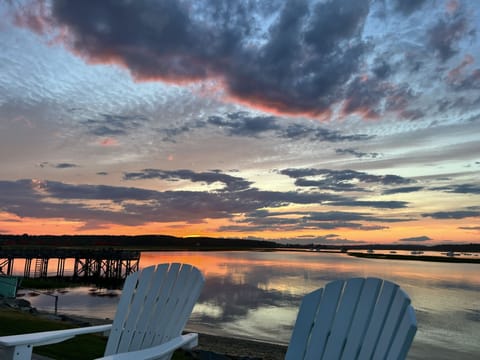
(449,259)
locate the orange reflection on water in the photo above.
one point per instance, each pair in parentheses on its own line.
(215,263)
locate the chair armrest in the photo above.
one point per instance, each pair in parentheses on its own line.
(187,341)
(49,337)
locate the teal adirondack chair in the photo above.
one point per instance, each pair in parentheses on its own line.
(152,312)
(354,319)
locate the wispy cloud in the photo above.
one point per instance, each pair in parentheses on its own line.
(106,125)
(402,190)
(135,206)
(416,239)
(460,188)
(340,180)
(474,228)
(63,165)
(231,183)
(458,214)
(244,124)
(356,153)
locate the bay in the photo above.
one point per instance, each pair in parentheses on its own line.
(256,295)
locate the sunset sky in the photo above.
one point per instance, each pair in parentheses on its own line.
(330,122)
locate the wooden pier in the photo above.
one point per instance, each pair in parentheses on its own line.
(96,263)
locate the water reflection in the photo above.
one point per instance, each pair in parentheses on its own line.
(257,294)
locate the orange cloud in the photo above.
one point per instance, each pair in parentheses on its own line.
(452,6)
(456,72)
(108,142)
(34,17)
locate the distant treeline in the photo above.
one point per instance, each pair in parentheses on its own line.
(204,243)
(140,241)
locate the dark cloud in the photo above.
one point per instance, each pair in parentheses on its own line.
(470,81)
(364,96)
(349,216)
(372,204)
(416,239)
(113,125)
(171,133)
(299,64)
(294,221)
(135,206)
(475,228)
(459,214)
(412,114)
(402,190)
(249,125)
(329,184)
(231,183)
(356,153)
(59,165)
(329,239)
(340,180)
(285,226)
(407,7)
(301,131)
(460,189)
(399,98)
(243,124)
(368,96)
(65,165)
(382,69)
(444,36)
(263,220)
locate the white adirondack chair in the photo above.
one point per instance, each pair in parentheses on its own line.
(354,319)
(152,311)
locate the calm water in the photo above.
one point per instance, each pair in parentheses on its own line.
(256,295)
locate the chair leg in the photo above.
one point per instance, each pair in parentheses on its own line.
(20,352)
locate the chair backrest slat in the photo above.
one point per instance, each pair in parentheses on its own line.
(323,320)
(184,303)
(343,318)
(354,319)
(123,308)
(147,313)
(162,311)
(375,327)
(136,308)
(179,306)
(303,325)
(150,303)
(404,337)
(392,322)
(362,317)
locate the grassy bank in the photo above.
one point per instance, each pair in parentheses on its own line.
(79,348)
